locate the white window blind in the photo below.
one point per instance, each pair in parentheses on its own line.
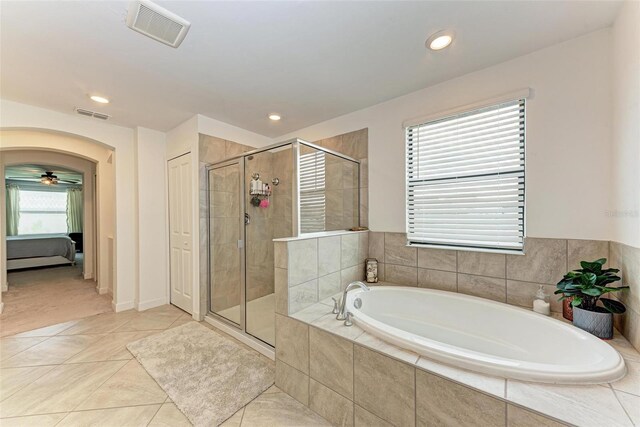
(312,192)
(466,179)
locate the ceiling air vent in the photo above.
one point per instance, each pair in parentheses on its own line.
(90,113)
(157,22)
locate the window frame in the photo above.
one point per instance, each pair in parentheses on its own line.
(43,212)
(520,96)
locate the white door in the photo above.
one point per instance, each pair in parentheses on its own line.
(180,234)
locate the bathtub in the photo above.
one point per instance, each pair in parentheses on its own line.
(484,336)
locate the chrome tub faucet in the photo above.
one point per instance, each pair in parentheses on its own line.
(342,315)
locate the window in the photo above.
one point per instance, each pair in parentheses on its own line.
(312,192)
(42,212)
(466,179)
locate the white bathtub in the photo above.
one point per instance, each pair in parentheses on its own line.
(485,336)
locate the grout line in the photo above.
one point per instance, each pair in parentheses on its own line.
(157,410)
(415,395)
(98,387)
(27,348)
(620,403)
(5,397)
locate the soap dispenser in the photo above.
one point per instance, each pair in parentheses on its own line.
(541,302)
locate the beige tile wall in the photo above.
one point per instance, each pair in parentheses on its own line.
(627,259)
(355,145)
(309,270)
(351,385)
(267,223)
(513,279)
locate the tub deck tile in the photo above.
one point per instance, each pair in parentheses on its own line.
(495,386)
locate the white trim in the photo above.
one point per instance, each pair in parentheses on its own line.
(145,305)
(122,306)
(466,248)
(511,96)
(1,307)
(254,344)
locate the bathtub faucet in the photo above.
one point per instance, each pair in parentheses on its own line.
(342,315)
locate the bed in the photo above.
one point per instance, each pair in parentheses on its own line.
(39,251)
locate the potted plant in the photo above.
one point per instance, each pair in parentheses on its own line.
(585,287)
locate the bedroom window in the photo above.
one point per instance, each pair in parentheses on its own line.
(466,179)
(42,212)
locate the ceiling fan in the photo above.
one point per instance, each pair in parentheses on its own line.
(47,178)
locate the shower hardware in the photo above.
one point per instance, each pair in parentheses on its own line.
(247,219)
(275,181)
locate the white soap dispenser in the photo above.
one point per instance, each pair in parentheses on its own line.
(541,302)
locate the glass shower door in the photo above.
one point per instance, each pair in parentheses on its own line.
(226,234)
(270,218)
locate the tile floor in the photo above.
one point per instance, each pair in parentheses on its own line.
(79,373)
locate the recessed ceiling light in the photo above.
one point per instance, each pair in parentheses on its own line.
(99,99)
(439,40)
(274,117)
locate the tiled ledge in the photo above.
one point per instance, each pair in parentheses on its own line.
(608,404)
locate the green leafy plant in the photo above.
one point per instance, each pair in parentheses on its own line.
(586,285)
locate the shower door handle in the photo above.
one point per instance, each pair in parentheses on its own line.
(247,219)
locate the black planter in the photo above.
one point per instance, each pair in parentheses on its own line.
(598,323)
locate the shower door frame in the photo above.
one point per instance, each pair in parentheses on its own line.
(240,331)
(241,243)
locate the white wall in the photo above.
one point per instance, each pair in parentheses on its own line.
(86,167)
(625,178)
(568,136)
(95,134)
(151,219)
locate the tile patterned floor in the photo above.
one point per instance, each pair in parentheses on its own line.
(79,373)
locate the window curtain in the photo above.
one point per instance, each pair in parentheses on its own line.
(74,210)
(13,209)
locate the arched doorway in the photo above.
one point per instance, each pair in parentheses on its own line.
(43,147)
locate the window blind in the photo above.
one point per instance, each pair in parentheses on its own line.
(312,192)
(466,179)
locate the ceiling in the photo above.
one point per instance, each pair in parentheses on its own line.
(307,60)
(33,172)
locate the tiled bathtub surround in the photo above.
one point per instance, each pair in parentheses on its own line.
(311,269)
(627,259)
(513,279)
(352,378)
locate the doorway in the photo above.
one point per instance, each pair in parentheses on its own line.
(180,234)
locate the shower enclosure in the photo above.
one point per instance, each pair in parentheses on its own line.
(284,190)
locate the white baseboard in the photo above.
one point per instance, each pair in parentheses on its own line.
(145,305)
(122,306)
(103,291)
(1,307)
